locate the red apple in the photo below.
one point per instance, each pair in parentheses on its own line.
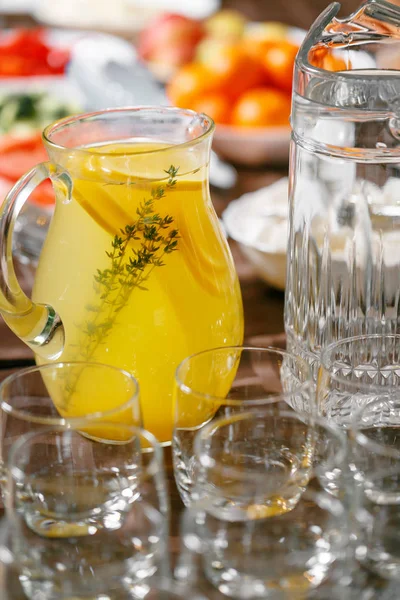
(170,38)
(174,56)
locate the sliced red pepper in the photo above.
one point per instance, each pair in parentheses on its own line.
(19,155)
(25,53)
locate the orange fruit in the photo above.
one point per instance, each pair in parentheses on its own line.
(256,48)
(190,82)
(262,107)
(278,61)
(235,70)
(215,105)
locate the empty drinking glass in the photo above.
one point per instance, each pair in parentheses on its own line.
(226,381)
(261,530)
(85,516)
(278,451)
(355,371)
(52,395)
(375,462)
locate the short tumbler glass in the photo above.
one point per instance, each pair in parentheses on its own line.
(226,381)
(41,396)
(85,516)
(262,529)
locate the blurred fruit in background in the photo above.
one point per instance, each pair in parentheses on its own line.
(169,42)
(261,107)
(226,25)
(269,30)
(241,73)
(215,105)
(25,53)
(234,70)
(277,57)
(190,83)
(227,43)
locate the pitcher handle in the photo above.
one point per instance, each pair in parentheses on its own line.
(38,325)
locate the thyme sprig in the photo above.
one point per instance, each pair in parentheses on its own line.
(136,251)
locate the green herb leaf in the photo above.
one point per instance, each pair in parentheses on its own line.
(135,252)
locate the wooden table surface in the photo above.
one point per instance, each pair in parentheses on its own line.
(263,306)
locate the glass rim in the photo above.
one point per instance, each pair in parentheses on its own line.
(307,419)
(155,465)
(269,399)
(60,124)
(25,415)
(363,440)
(327,365)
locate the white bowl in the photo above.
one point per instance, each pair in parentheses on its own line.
(258,223)
(252,146)
(270,266)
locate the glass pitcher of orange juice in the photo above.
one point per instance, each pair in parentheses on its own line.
(135,271)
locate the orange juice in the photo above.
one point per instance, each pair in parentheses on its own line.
(139,272)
